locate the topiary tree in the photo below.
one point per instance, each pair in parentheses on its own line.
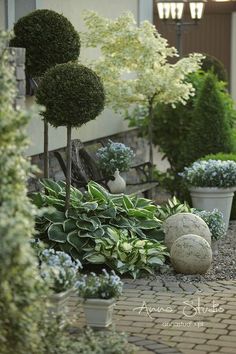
(73,95)
(211,63)
(210,128)
(49,39)
(19,282)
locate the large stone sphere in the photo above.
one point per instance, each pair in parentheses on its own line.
(191,254)
(182,224)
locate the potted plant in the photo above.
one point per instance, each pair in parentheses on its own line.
(212,184)
(99,293)
(113,159)
(59,273)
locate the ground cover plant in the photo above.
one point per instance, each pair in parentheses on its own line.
(97,219)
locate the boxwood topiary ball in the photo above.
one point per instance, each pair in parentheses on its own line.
(72,94)
(49,39)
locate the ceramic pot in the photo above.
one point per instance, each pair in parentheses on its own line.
(118,185)
(210,198)
(98,312)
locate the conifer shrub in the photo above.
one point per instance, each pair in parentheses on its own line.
(211,63)
(210,129)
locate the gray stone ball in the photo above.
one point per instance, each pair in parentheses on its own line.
(182,224)
(191,254)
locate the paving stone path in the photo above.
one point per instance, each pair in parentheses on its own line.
(175,317)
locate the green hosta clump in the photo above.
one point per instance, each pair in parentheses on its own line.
(125,254)
(90,217)
(172,207)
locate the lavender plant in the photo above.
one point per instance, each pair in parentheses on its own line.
(103,286)
(114,156)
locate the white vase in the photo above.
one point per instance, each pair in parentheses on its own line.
(98,312)
(210,198)
(118,185)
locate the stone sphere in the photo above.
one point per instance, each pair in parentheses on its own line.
(182,224)
(191,254)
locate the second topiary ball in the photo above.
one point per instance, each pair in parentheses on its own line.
(72,94)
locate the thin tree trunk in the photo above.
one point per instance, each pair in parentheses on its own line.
(46,156)
(68,167)
(150,136)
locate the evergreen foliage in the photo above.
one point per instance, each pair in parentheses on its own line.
(19,282)
(210,129)
(211,63)
(49,39)
(72,94)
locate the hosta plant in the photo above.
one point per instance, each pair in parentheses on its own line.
(127,254)
(173,206)
(90,216)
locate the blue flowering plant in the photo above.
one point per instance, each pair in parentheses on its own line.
(211,173)
(214,220)
(114,156)
(102,286)
(58,270)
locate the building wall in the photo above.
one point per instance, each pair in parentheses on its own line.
(2,15)
(107,123)
(233,56)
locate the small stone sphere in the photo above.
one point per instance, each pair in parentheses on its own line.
(182,224)
(191,254)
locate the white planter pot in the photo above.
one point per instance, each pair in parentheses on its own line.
(118,185)
(58,303)
(207,198)
(98,312)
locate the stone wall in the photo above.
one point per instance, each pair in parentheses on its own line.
(17,58)
(129,138)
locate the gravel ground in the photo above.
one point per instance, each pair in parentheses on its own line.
(223,266)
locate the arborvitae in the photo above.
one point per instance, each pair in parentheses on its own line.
(210,129)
